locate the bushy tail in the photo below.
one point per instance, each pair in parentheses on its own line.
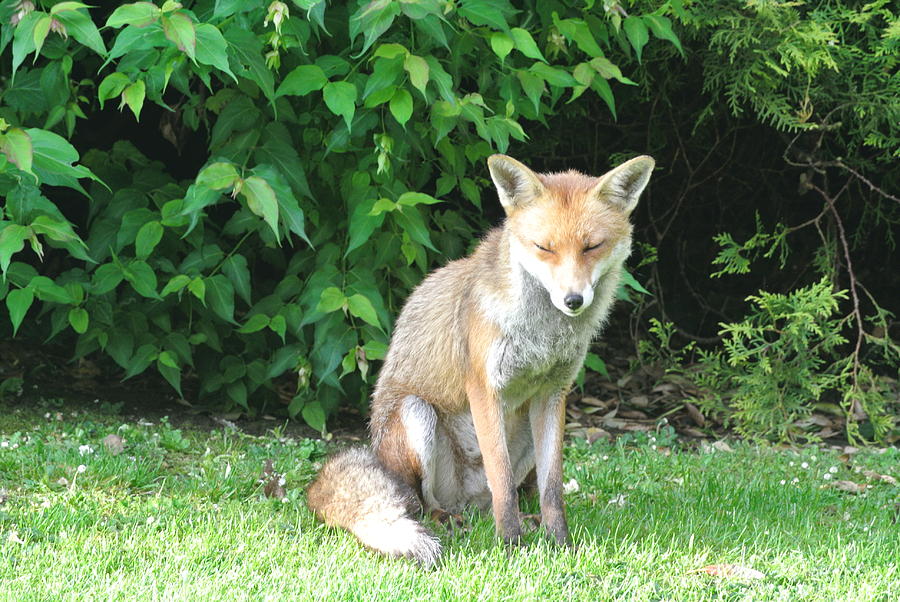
(354,491)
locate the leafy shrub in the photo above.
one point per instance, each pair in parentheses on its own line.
(328,155)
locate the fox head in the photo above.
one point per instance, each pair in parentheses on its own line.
(568,229)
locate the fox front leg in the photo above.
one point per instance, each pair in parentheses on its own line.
(547,419)
(487,416)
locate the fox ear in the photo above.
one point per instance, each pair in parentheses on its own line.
(623,185)
(516,184)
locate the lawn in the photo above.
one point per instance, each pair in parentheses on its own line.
(180,514)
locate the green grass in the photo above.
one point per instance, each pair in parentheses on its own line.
(180,515)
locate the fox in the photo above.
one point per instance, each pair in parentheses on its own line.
(470,400)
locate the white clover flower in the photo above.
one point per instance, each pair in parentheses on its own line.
(605,458)
(85,449)
(4,443)
(783,481)
(795,480)
(791,463)
(826,476)
(284,500)
(81,468)
(833,469)
(804,465)
(150,520)
(813,458)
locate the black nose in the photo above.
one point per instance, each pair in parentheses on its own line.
(573,301)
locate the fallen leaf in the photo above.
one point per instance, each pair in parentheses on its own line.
(639,401)
(721,446)
(593,433)
(735,571)
(633,414)
(273,482)
(695,414)
(871,474)
(114,444)
(593,401)
(849,486)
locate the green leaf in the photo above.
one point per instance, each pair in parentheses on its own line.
(133,96)
(278,325)
(175,284)
(60,231)
(79,319)
(491,13)
(248,52)
(197,287)
(12,240)
(179,30)
(314,415)
(106,278)
(256,323)
(375,350)
(362,224)
(261,201)
(502,45)
(340,98)
(553,75)
(372,19)
(220,296)
(235,267)
(533,86)
(385,73)
(332,299)
(604,91)
(23,38)
(16,145)
(289,210)
(18,301)
(401,106)
(141,360)
(362,308)
(637,34)
(411,199)
(278,150)
(111,86)
(218,176)
(147,238)
(212,49)
(662,29)
(595,363)
(41,29)
(47,290)
(607,70)
(302,80)
(631,281)
(139,14)
(80,27)
(142,278)
(418,70)
(172,375)
(53,159)
(411,222)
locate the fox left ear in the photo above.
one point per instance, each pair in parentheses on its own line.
(516,184)
(623,185)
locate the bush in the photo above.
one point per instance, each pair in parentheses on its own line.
(322,158)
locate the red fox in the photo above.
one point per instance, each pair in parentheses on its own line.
(471,397)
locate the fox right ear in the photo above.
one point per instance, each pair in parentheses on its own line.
(516,184)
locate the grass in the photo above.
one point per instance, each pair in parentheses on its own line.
(180,515)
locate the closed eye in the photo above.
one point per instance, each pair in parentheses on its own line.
(544,249)
(594,247)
